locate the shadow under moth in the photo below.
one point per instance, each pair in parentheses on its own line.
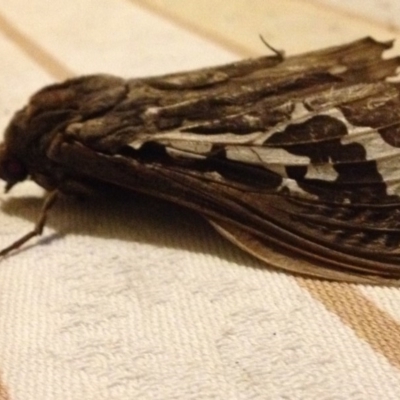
(295,160)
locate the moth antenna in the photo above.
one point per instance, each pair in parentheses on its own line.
(40,223)
(279,53)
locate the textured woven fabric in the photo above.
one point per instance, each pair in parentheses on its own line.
(139,299)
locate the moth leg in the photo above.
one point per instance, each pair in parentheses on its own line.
(40,223)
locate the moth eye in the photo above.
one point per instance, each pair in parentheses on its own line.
(16,169)
(12,170)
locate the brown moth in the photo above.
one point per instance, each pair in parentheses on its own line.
(293,159)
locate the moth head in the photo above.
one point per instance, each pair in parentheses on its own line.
(49,112)
(12,170)
(15,150)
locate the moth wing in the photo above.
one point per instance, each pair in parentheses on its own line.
(255,221)
(299,154)
(290,261)
(336,155)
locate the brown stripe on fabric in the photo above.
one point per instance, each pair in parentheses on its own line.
(38,54)
(343,12)
(4,395)
(220,39)
(366,319)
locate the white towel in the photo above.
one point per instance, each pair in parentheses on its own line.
(143,300)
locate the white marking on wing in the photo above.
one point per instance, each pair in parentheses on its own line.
(264,156)
(189,146)
(299,113)
(325,172)
(175,153)
(178,136)
(295,189)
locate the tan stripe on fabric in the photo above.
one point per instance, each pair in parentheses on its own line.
(368,321)
(4,395)
(348,14)
(172,14)
(235,25)
(34,51)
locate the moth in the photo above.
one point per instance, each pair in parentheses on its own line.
(295,160)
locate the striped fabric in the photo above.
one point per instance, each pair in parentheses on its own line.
(139,299)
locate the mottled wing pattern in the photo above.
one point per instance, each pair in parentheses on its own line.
(300,153)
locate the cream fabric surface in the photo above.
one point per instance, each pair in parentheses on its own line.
(138,299)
